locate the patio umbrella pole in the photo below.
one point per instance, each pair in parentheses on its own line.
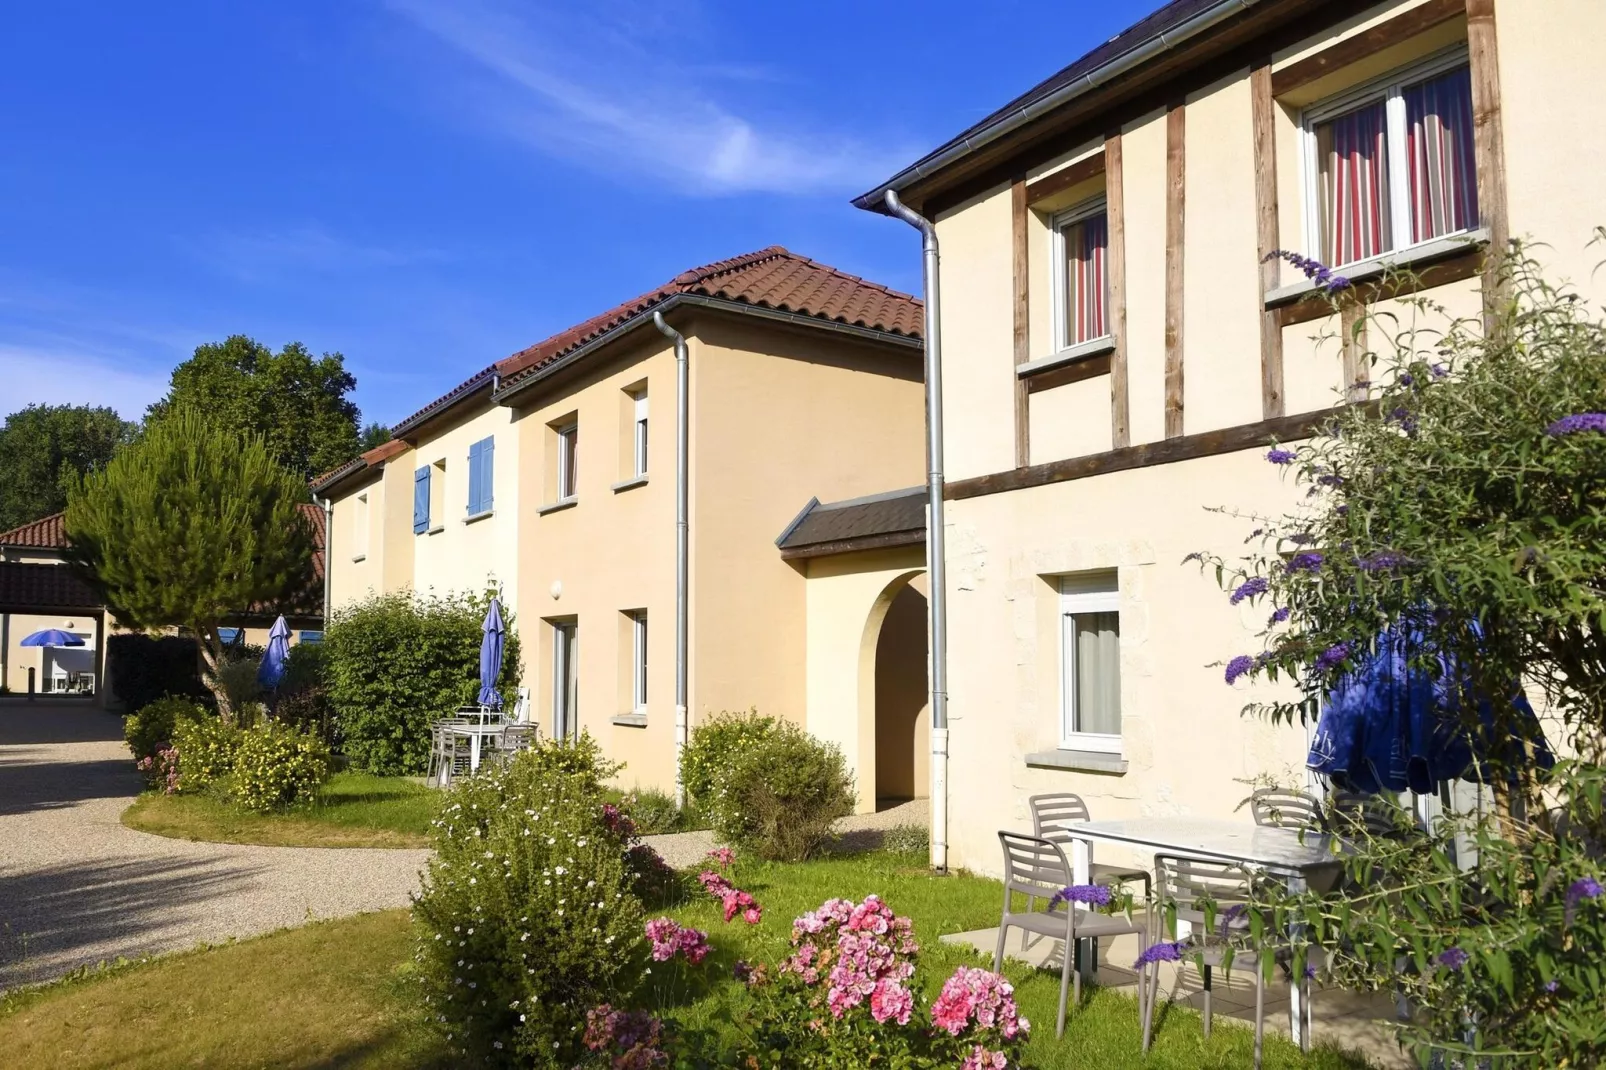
(936,559)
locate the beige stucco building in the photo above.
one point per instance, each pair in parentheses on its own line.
(1119,353)
(551,476)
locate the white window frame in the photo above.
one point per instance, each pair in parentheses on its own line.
(568,466)
(1098,205)
(565,679)
(1389,89)
(359,528)
(638,661)
(639,433)
(1086,592)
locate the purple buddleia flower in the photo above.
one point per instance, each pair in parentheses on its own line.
(1454,958)
(1332,657)
(1582,421)
(1315,270)
(1254,585)
(1406,378)
(1581,889)
(1279,616)
(1308,561)
(1239,666)
(1161,952)
(1552,986)
(1302,539)
(1440,370)
(1281,456)
(1330,480)
(1382,561)
(1235,913)
(1092,895)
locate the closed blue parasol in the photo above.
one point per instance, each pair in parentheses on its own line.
(272,669)
(1392,726)
(491,655)
(52,637)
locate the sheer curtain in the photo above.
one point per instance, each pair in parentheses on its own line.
(1441,173)
(1353,153)
(1086,280)
(1098,672)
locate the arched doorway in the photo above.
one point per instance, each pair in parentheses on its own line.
(901,694)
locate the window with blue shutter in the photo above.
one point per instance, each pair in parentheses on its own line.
(228,636)
(479,476)
(421,500)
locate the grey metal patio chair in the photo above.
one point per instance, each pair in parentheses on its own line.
(1286,808)
(1052,816)
(1184,886)
(1036,868)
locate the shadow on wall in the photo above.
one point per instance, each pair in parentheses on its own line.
(902,709)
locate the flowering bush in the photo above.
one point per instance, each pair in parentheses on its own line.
(781,793)
(624,1040)
(670,938)
(207,748)
(846,997)
(161,770)
(152,728)
(529,916)
(732,899)
(713,748)
(275,767)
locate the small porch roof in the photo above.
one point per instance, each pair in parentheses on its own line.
(876,521)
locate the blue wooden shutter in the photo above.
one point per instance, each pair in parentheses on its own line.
(421,500)
(487,468)
(474,451)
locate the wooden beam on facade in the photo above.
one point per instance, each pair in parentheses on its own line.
(1175,221)
(1022,350)
(1075,372)
(1144,455)
(1264,110)
(1455,266)
(1059,181)
(1352,331)
(1115,213)
(1405,25)
(1490,147)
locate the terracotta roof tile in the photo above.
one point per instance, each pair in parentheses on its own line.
(46,533)
(769,278)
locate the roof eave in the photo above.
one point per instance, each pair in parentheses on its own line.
(1151,47)
(643,318)
(486,380)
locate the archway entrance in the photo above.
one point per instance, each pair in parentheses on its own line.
(901,694)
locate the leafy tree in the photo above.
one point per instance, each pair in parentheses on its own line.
(375,434)
(1465,505)
(189,525)
(43,446)
(296,402)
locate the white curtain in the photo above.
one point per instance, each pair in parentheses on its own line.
(1098,672)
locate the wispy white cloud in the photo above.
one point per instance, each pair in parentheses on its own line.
(597,83)
(261,254)
(65,374)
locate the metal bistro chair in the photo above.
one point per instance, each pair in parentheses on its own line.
(1036,867)
(514,738)
(1284,808)
(1186,885)
(450,754)
(1052,817)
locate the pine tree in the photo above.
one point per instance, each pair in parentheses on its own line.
(189,525)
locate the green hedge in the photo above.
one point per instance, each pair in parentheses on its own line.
(395,662)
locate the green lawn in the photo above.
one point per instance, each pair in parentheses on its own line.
(343,985)
(351,810)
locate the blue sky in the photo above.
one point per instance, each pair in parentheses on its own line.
(430,185)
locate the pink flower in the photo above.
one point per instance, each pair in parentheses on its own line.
(723,856)
(891,1000)
(974,993)
(982,1059)
(669,939)
(752,915)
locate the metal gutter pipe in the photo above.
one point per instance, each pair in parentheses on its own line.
(1140,53)
(328,556)
(682,451)
(936,559)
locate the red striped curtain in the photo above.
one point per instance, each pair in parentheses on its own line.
(1086,280)
(1443,180)
(1354,176)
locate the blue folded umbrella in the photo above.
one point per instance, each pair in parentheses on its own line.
(491,655)
(271,671)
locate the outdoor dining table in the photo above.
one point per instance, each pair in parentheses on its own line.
(1302,860)
(476,734)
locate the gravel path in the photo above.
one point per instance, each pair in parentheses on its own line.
(861,831)
(77,888)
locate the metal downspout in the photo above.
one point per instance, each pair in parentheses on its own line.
(328,556)
(682,451)
(936,559)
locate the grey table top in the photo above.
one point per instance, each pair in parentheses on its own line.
(1283,850)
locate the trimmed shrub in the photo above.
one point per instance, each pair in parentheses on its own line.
(654,812)
(156,724)
(396,662)
(142,668)
(275,767)
(310,710)
(529,914)
(713,748)
(206,749)
(907,840)
(781,794)
(238,678)
(305,667)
